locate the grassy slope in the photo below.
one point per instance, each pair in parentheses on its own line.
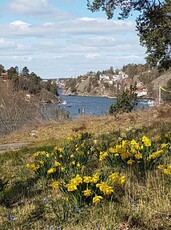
(155,117)
(151,199)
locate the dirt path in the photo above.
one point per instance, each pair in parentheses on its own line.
(12,146)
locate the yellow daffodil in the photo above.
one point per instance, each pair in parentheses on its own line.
(71,187)
(138,156)
(114,176)
(121,180)
(36,154)
(167,171)
(169,166)
(79,135)
(82,144)
(32,166)
(130,162)
(102,156)
(160,167)
(155,155)
(87,179)
(60,150)
(163,145)
(55,148)
(97,199)
(51,170)
(55,185)
(62,169)
(78,165)
(95,142)
(43,153)
(124,155)
(146,141)
(95,178)
(41,163)
(81,153)
(66,198)
(107,190)
(77,180)
(119,148)
(57,164)
(134,144)
(112,150)
(87,192)
(69,138)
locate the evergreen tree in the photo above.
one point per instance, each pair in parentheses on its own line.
(126,101)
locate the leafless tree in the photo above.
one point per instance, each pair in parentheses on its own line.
(16,109)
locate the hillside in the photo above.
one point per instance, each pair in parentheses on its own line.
(161,81)
(19,107)
(108,172)
(109,83)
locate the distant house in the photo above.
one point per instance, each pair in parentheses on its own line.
(141,92)
(4,76)
(104,77)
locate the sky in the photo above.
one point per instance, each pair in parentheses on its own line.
(62,38)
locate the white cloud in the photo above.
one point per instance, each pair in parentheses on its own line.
(93,56)
(66,42)
(6,44)
(20,26)
(23,58)
(48,24)
(97,26)
(67,28)
(98,41)
(25,6)
(36,8)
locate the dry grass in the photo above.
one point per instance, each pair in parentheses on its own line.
(158,116)
(151,199)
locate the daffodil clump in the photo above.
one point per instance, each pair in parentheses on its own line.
(92,189)
(85,169)
(62,161)
(141,155)
(165,169)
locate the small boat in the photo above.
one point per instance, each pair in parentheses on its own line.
(151,103)
(64,103)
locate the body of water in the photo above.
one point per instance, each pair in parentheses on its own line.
(93,106)
(76,105)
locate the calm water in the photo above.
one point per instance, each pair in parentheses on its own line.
(95,106)
(88,105)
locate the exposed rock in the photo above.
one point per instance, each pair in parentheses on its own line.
(48,97)
(161,81)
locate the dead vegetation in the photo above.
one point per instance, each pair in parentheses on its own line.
(158,116)
(15,108)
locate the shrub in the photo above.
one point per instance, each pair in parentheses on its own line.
(125,102)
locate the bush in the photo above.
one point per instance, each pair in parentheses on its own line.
(125,102)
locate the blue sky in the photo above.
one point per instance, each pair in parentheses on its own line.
(62,38)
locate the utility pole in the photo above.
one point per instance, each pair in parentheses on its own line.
(159,95)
